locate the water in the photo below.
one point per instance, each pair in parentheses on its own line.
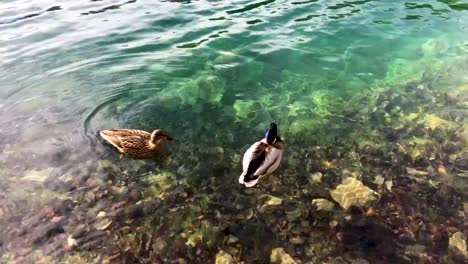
(345,80)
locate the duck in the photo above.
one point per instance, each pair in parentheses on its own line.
(262,158)
(137,143)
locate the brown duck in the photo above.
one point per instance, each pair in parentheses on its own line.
(136,143)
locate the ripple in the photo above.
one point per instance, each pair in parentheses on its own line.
(107,8)
(17,19)
(304,2)
(255,21)
(306,18)
(412,17)
(250,7)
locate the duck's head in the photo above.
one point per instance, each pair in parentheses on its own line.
(160,134)
(271,134)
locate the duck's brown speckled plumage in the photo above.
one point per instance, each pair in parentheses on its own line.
(137,143)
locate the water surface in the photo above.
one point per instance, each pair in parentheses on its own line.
(215,74)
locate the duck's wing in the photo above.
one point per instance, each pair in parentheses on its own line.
(125,138)
(124,133)
(253,159)
(272,159)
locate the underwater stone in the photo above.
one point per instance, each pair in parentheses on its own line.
(464,134)
(389,185)
(457,243)
(302,126)
(271,202)
(101,214)
(89,197)
(232,239)
(103,224)
(298,108)
(279,256)
(188,92)
(415,249)
(44,232)
(211,88)
(379,180)
(297,240)
(160,183)
(434,46)
(37,175)
(71,242)
(79,231)
(107,164)
(224,258)
(316,177)
(432,122)
(458,94)
(226,58)
(249,73)
(293,214)
(401,72)
(323,204)
(352,192)
(159,246)
(243,109)
(415,172)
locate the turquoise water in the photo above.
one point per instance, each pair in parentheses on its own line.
(214,74)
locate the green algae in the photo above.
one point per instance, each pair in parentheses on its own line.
(159,183)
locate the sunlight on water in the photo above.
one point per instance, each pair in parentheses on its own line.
(370,98)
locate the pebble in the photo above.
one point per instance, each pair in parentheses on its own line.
(103,224)
(44,232)
(79,231)
(159,245)
(101,214)
(297,240)
(72,242)
(224,258)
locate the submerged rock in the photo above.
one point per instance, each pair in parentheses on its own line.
(243,109)
(279,256)
(464,134)
(103,224)
(434,46)
(71,242)
(37,175)
(379,180)
(108,165)
(352,192)
(270,202)
(159,246)
(323,204)
(457,244)
(432,122)
(224,258)
(315,177)
(211,88)
(415,172)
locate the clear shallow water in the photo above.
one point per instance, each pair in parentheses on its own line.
(212,73)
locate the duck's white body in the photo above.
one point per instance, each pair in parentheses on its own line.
(263,158)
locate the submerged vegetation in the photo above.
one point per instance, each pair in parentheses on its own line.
(369,177)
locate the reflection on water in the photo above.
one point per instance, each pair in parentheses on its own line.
(370,98)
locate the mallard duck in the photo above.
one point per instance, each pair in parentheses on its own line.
(262,158)
(137,143)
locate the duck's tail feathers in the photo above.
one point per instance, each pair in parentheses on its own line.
(108,136)
(248,180)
